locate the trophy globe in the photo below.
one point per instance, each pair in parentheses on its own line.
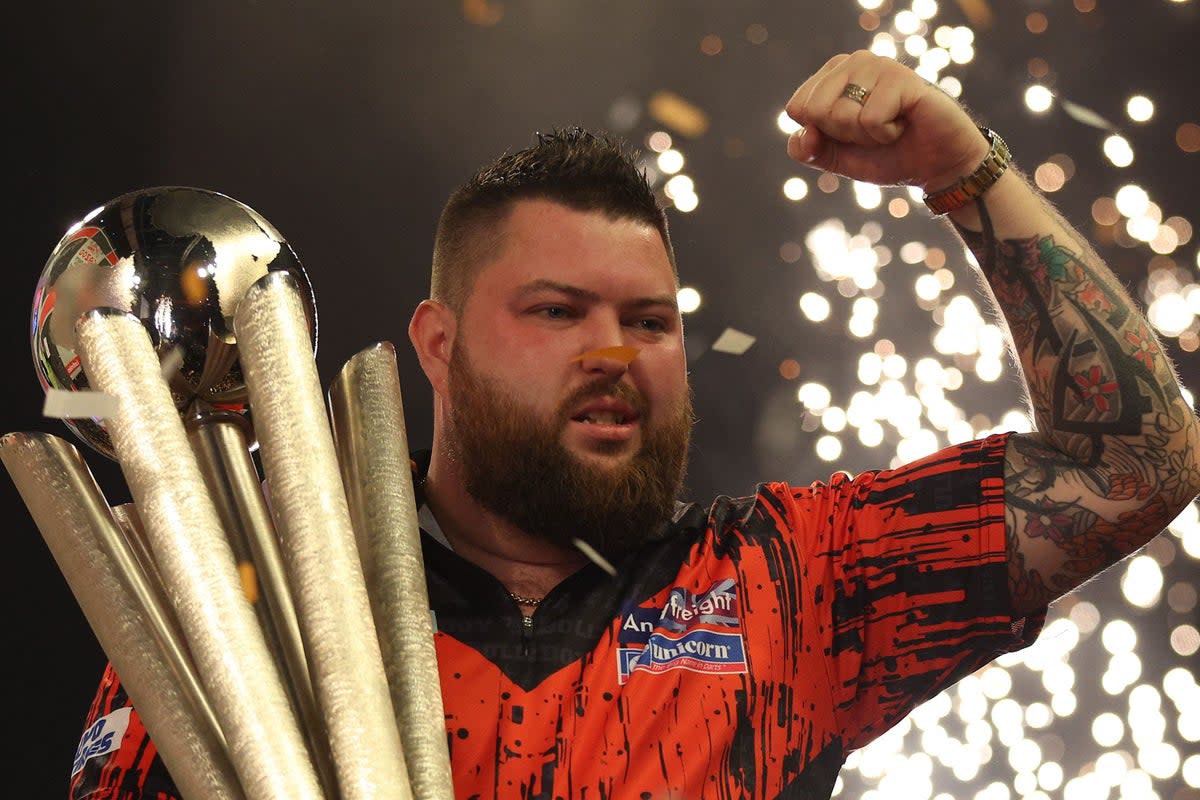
(179,259)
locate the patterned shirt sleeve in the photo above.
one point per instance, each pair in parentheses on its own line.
(908,574)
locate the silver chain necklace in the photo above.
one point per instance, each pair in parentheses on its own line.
(532,602)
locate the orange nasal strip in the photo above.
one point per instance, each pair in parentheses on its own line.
(623,353)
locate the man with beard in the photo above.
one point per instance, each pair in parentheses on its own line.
(595,638)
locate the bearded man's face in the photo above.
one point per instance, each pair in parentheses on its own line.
(569,411)
(515,463)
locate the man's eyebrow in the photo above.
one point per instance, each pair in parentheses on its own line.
(667,300)
(545,285)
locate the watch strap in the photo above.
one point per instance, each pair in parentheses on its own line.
(968,188)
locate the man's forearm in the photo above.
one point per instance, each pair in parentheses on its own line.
(1115,458)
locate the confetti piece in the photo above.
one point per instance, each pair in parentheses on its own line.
(64,404)
(1085,115)
(482,12)
(733,341)
(595,557)
(673,111)
(249,581)
(978,12)
(623,353)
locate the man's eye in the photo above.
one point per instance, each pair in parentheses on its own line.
(652,325)
(554,312)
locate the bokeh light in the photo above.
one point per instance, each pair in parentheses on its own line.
(1097,673)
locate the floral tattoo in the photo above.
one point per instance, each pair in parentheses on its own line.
(1116,444)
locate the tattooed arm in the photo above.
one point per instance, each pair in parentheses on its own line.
(1115,454)
(1114,457)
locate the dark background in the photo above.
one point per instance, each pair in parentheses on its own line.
(347,124)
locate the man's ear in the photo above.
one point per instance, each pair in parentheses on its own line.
(432,332)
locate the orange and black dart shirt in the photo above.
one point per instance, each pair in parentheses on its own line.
(740,654)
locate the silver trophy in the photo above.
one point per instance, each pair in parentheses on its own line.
(243,630)
(179,260)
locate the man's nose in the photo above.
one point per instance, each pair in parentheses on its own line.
(611,361)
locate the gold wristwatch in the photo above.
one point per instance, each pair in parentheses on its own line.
(967,189)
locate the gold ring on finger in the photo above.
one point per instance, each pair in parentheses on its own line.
(856,93)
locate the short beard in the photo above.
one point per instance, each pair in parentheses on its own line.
(515,465)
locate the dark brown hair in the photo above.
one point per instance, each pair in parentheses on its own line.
(574,167)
